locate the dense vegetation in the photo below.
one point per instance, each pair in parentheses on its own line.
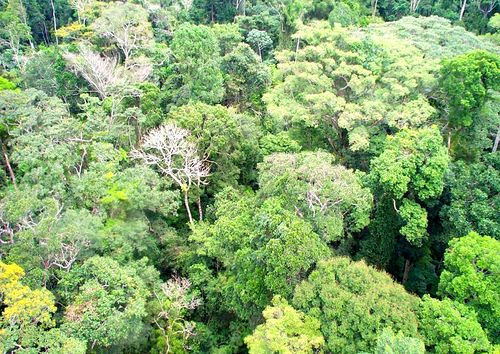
(249,176)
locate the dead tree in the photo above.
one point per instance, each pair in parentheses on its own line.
(168,148)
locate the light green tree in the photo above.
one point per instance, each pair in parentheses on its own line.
(254,267)
(285,331)
(450,327)
(467,82)
(354,303)
(390,343)
(471,277)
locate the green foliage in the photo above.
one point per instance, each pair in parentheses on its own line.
(259,40)
(14,32)
(435,36)
(415,222)
(343,14)
(276,143)
(37,122)
(390,343)
(26,317)
(228,35)
(354,303)
(256,266)
(246,76)
(220,135)
(465,82)
(413,161)
(285,330)
(197,74)
(294,131)
(106,303)
(329,196)
(474,198)
(323,85)
(471,277)
(449,327)
(125,25)
(6,84)
(47,71)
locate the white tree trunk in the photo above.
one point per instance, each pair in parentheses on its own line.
(462,9)
(54,20)
(497,140)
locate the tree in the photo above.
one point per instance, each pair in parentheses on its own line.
(285,330)
(354,303)
(260,40)
(14,29)
(104,74)
(449,327)
(344,14)
(321,91)
(55,241)
(26,321)
(197,74)
(465,82)
(46,139)
(221,135)
(47,71)
(471,277)
(473,198)
(168,149)
(126,25)
(412,165)
(434,35)
(173,302)
(246,76)
(253,267)
(329,196)
(228,35)
(390,343)
(105,302)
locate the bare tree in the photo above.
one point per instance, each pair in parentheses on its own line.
(174,301)
(102,73)
(168,148)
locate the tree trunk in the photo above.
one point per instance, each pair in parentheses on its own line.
(200,209)
(54,20)
(497,140)
(406,272)
(462,9)
(9,167)
(374,7)
(186,204)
